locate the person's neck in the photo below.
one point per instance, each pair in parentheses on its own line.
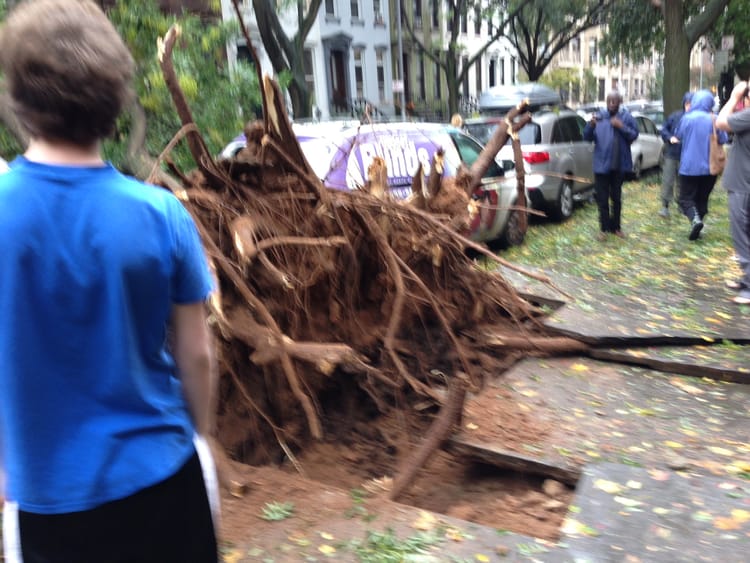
(63,153)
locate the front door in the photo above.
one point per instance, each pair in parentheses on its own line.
(339,92)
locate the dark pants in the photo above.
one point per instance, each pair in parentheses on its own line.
(609,187)
(739,224)
(694,193)
(168,522)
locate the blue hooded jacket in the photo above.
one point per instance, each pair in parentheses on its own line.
(604,135)
(694,132)
(670,126)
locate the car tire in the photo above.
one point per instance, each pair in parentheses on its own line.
(638,168)
(563,208)
(515,230)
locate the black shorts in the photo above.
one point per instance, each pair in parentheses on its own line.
(168,522)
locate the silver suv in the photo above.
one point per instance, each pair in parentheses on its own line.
(553,147)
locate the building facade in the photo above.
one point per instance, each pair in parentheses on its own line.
(347,55)
(425,87)
(596,74)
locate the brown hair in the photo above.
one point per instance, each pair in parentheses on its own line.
(67,69)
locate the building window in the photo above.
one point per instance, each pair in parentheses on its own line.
(435,14)
(491,72)
(600,95)
(355,9)
(418,14)
(380,64)
(420,77)
(330,7)
(464,22)
(592,51)
(437,71)
(465,83)
(513,70)
(575,48)
(502,70)
(477,20)
(307,63)
(377,14)
(478,70)
(359,73)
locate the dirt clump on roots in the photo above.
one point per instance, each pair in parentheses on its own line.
(334,307)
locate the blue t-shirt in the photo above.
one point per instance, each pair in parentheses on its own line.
(91,409)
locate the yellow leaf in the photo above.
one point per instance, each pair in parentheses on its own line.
(607,486)
(579,367)
(723,523)
(233,556)
(425,522)
(720,451)
(472,426)
(454,534)
(740,515)
(326,536)
(327,549)
(529,393)
(482,558)
(673,445)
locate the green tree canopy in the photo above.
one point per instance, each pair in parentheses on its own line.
(636,27)
(221,100)
(541,28)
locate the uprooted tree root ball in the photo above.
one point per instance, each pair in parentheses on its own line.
(324,292)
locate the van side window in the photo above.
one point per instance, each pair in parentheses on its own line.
(469,151)
(558,134)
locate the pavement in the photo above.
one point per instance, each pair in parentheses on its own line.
(650,427)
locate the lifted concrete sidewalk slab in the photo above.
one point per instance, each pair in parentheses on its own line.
(575,411)
(601,313)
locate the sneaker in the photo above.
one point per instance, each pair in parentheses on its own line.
(664,212)
(695,230)
(741,300)
(601,236)
(619,233)
(735,284)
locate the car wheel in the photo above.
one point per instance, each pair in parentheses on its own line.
(563,207)
(638,168)
(515,229)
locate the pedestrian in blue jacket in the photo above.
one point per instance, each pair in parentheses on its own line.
(672,150)
(696,181)
(612,130)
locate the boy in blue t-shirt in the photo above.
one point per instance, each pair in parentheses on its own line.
(98,408)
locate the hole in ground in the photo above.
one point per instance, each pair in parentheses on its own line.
(449,484)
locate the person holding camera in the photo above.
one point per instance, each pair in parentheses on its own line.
(612,131)
(734,117)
